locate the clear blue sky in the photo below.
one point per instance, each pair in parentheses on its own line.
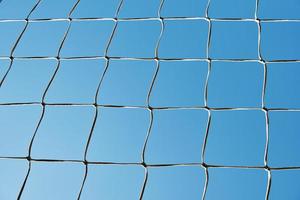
(92,98)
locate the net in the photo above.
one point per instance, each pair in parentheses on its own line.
(224,61)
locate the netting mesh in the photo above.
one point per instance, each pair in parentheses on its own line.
(148,105)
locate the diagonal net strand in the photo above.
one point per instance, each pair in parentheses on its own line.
(258,21)
(43,102)
(206,100)
(148,98)
(151,58)
(96,95)
(150,18)
(17,42)
(200,164)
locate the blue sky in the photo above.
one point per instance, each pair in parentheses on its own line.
(159,100)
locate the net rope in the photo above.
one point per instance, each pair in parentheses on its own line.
(161,19)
